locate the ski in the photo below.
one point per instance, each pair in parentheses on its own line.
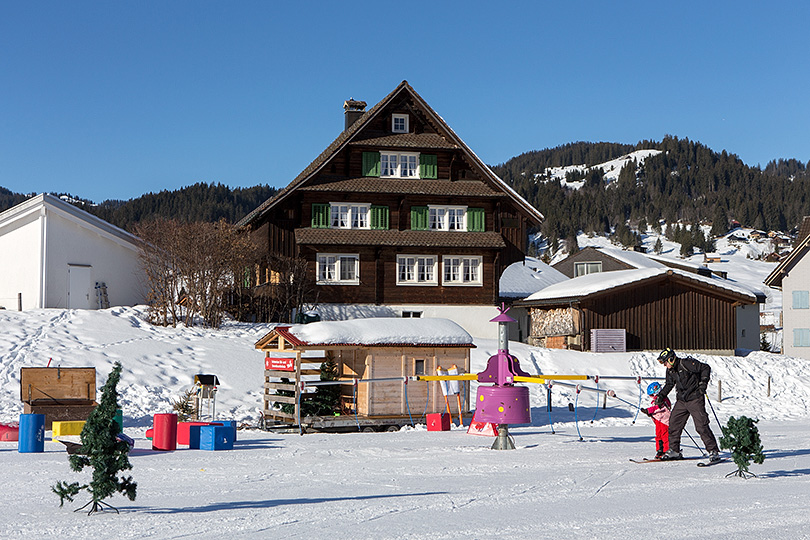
(710,463)
(656,460)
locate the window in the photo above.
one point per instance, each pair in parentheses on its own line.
(447,218)
(418,366)
(399,123)
(416,270)
(338,269)
(801,337)
(411,314)
(584,268)
(801,299)
(461,270)
(349,216)
(399,165)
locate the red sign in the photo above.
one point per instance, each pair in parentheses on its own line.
(279,364)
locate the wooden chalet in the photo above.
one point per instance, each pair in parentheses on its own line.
(656,308)
(378,354)
(397,212)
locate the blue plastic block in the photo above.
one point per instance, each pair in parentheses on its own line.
(232,425)
(216,438)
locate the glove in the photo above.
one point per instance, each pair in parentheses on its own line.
(660,400)
(702,390)
(647,412)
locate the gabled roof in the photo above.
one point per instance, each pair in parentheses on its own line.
(800,249)
(350,136)
(377,332)
(602,283)
(50,203)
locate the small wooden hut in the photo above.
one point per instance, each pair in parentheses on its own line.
(377,355)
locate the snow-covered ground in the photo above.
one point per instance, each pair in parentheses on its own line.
(411,484)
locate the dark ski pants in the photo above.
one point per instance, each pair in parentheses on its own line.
(681,412)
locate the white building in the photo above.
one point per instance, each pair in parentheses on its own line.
(792,276)
(55,255)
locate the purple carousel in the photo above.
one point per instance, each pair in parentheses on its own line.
(503,403)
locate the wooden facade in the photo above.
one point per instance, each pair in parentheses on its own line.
(667,310)
(396,208)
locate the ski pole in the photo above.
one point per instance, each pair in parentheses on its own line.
(639,400)
(550,424)
(694,441)
(714,413)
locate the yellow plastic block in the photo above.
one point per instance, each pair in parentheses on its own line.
(60,429)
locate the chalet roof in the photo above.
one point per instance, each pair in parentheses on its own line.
(378,332)
(636,259)
(800,249)
(418,187)
(408,140)
(392,237)
(349,135)
(599,284)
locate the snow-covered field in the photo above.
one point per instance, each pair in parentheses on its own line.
(413,483)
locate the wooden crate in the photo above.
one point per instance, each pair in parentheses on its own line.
(61,394)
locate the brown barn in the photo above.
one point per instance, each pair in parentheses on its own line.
(377,353)
(656,307)
(397,217)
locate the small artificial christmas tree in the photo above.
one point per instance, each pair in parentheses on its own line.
(101,450)
(740,435)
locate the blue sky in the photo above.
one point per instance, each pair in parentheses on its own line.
(110,100)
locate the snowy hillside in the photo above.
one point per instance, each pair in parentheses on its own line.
(610,169)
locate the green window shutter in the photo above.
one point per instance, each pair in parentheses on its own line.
(379,217)
(419,218)
(320,216)
(371,164)
(428,166)
(476,220)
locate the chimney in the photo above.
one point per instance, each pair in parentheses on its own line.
(353,110)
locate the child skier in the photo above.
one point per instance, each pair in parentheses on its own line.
(660,417)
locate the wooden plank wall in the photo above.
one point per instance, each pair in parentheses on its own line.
(667,315)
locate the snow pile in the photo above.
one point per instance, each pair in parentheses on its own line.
(382,331)
(521,279)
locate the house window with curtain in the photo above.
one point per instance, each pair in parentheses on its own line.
(416,270)
(447,218)
(349,216)
(338,269)
(458,270)
(399,165)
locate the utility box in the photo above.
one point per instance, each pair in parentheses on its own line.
(61,394)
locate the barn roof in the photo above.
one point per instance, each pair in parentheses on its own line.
(601,283)
(377,332)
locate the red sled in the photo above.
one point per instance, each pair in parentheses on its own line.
(487,429)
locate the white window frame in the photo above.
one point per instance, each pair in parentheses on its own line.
(447,218)
(349,215)
(589,267)
(462,270)
(391,165)
(404,120)
(417,270)
(334,269)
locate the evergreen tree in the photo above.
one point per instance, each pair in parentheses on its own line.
(101,450)
(658,247)
(741,436)
(764,344)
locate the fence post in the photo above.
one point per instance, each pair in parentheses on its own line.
(19,301)
(719,391)
(769,386)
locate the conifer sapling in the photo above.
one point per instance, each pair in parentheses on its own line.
(741,436)
(101,450)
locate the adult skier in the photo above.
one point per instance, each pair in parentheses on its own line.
(690,378)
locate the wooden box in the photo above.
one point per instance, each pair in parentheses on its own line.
(61,394)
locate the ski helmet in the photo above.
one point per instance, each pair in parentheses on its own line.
(653,388)
(666,355)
